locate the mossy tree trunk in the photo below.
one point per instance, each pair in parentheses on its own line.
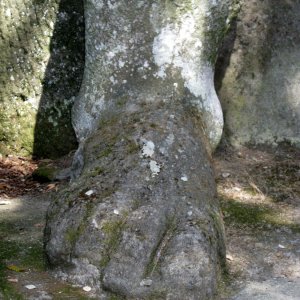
(141,219)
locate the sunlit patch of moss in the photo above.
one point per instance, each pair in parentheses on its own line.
(245,213)
(106,152)
(116,297)
(69,292)
(73,234)
(160,294)
(113,230)
(254,216)
(97,171)
(108,120)
(132,147)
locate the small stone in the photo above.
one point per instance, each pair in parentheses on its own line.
(229,257)
(116,212)
(30,287)
(89,193)
(14,280)
(281,246)
(237,189)
(225,175)
(87,288)
(146,282)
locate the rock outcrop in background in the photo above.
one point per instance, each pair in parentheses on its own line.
(41,66)
(258,74)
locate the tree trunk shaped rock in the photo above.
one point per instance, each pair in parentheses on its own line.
(141,220)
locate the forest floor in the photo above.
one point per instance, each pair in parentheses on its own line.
(259,190)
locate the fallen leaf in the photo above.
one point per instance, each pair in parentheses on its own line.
(225,175)
(229,257)
(87,288)
(4,186)
(51,186)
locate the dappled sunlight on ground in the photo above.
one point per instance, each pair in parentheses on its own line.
(259,191)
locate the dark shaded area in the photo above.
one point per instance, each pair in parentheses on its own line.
(54,135)
(224,54)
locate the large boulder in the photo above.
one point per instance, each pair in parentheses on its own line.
(141,219)
(41,66)
(258,80)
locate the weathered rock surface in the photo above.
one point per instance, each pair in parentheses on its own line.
(143,220)
(140,219)
(260,89)
(138,47)
(41,62)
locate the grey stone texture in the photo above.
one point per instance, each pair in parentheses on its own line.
(128,229)
(258,82)
(41,62)
(140,219)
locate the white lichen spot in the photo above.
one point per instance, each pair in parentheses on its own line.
(95,224)
(146,282)
(8,13)
(170,139)
(154,167)
(121,63)
(148,149)
(184,178)
(97,3)
(163,150)
(190,213)
(112,80)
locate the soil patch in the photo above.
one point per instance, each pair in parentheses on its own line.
(259,189)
